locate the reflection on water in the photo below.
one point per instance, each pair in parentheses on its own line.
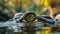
(55,33)
(44,30)
(39,32)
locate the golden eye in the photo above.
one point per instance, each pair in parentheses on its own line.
(30,17)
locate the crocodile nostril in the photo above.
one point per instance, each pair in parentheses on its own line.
(56,19)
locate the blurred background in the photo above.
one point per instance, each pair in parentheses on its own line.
(38,6)
(11,7)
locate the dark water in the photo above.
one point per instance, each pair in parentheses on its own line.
(36,33)
(55,33)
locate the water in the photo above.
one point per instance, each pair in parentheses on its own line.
(55,33)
